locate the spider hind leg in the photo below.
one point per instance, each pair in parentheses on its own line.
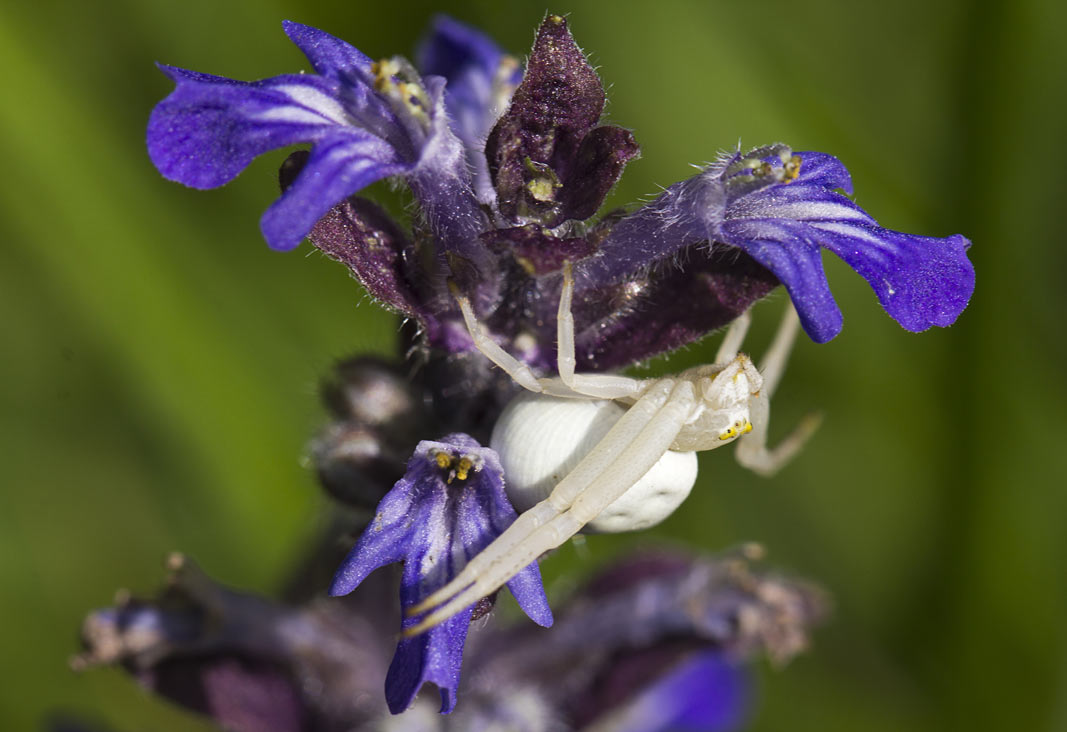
(752,451)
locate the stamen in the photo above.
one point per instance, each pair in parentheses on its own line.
(791,169)
(541,189)
(463,467)
(756,170)
(543,182)
(395,79)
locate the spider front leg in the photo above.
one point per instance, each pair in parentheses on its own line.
(735,336)
(516,369)
(570,385)
(636,442)
(752,451)
(599,386)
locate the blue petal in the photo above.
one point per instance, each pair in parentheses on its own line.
(210,128)
(529,591)
(475,95)
(435,656)
(797,262)
(469,61)
(345,162)
(387,539)
(821,169)
(329,56)
(920,281)
(706,693)
(451,48)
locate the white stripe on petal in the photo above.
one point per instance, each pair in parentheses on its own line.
(810,210)
(881,252)
(856,232)
(359,154)
(291,115)
(312,99)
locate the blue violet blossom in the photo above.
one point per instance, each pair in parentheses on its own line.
(448,507)
(502,228)
(650,642)
(508,168)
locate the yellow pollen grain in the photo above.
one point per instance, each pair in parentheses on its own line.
(526,264)
(791,169)
(463,468)
(541,189)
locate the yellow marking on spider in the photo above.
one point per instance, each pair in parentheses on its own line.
(735,430)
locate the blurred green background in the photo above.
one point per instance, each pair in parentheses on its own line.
(160,363)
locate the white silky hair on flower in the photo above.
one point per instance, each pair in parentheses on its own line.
(624,433)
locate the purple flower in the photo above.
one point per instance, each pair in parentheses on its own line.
(507,177)
(448,507)
(652,642)
(781,209)
(217,651)
(365,121)
(481,79)
(707,693)
(508,169)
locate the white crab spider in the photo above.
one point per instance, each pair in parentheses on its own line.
(699,409)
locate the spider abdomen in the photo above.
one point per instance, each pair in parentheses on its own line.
(540,439)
